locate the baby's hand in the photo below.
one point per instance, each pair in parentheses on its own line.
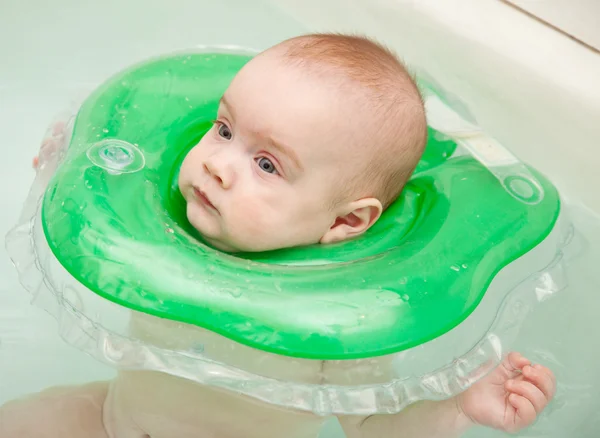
(53,140)
(511,396)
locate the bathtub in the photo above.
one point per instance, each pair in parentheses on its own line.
(533,89)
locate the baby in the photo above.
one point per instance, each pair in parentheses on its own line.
(314,138)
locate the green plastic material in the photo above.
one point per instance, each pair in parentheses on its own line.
(114,218)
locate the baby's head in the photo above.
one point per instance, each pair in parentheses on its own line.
(314,138)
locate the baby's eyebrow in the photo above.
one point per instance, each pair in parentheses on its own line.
(224,102)
(289,152)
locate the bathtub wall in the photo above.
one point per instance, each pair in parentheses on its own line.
(534,89)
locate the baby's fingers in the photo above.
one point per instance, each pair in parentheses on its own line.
(55,129)
(48,147)
(515,362)
(529,391)
(541,377)
(524,412)
(59,128)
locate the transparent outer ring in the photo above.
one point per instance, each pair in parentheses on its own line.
(102,330)
(439,369)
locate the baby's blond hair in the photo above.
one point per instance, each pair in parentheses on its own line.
(394,106)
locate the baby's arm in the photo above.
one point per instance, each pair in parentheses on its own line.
(54,145)
(508,399)
(66,412)
(427,419)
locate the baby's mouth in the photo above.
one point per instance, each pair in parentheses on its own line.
(203,199)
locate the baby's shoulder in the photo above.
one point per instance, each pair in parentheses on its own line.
(66,412)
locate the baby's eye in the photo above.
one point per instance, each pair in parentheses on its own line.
(224,131)
(266,165)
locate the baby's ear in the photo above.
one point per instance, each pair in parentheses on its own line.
(354,219)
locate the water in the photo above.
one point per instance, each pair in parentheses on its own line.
(52,51)
(561,334)
(49,58)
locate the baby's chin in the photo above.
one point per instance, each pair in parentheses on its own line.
(216,238)
(231,246)
(213,241)
(220,245)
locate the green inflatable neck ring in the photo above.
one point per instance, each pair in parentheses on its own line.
(115,220)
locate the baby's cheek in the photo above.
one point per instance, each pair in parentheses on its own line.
(251,218)
(193,162)
(256,218)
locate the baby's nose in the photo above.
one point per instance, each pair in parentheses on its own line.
(219,172)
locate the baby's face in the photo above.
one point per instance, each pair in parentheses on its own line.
(268,172)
